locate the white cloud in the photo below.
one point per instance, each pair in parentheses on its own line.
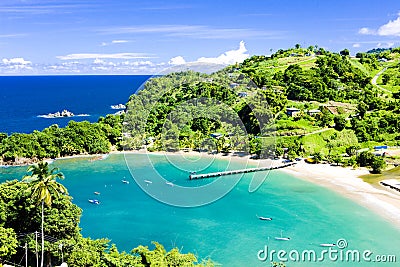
(16,61)
(195,31)
(119,41)
(99,56)
(356,45)
(40,8)
(98,61)
(15,65)
(179,60)
(114,42)
(392,28)
(385,45)
(229,57)
(138,63)
(13,35)
(366,31)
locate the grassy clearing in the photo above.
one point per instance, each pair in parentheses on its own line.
(295,127)
(374,179)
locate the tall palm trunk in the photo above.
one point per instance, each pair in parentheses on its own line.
(41,260)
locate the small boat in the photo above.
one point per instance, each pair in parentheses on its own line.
(327,245)
(148,181)
(169,183)
(193,172)
(125,181)
(281,238)
(94,201)
(97,193)
(264,218)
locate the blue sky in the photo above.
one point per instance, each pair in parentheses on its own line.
(144,37)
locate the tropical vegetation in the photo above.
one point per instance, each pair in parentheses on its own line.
(337,107)
(76,138)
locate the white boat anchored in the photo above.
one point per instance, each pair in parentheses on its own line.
(281,238)
(262,218)
(169,183)
(94,201)
(125,181)
(148,181)
(327,245)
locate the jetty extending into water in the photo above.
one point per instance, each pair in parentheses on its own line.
(223,173)
(391,183)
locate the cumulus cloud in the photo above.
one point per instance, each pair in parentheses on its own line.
(229,57)
(100,56)
(179,60)
(356,45)
(16,61)
(392,28)
(15,65)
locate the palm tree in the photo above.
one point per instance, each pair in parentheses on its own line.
(43,187)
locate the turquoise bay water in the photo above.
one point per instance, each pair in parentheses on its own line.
(227,230)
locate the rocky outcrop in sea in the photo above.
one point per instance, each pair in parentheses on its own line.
(61,114)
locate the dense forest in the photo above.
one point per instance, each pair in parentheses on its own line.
(76,138)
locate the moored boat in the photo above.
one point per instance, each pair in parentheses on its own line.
(264,218)
(94,201)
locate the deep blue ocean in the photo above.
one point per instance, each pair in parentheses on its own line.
(23,98)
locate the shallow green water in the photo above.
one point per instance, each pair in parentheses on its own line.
(227,230)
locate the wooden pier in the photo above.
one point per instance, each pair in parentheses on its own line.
(217,174)
(392,183)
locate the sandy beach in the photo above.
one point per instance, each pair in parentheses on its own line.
(346,182)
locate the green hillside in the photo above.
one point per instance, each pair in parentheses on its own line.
(338,109)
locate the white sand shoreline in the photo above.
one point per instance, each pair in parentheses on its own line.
(346,182)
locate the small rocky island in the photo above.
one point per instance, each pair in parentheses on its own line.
(61,114)
(119,106)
